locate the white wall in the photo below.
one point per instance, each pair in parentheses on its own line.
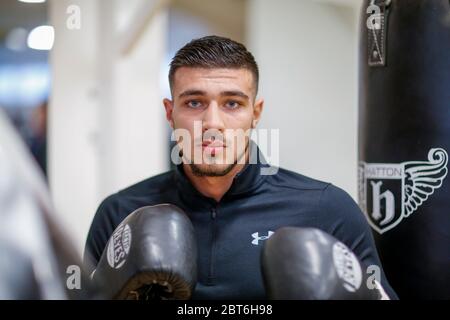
(134,125)
(106,120)
(307,54)
(73,118)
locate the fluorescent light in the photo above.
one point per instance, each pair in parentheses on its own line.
(41,38)
(32,1)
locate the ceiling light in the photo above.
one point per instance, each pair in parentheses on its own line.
(32,1)
(41,38)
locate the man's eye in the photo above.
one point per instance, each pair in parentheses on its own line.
(194,104)
(232,104)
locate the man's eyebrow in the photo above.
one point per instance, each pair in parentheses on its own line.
(234,94)
(192,93)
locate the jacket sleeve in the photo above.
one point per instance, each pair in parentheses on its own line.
(349,225)
(100,230)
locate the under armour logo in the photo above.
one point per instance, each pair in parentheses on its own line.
(257,238)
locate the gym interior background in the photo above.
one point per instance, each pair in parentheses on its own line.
(89,104)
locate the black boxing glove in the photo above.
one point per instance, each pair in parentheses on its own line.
(309,264)
(151,255)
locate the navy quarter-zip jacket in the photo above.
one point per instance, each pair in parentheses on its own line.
(230,233)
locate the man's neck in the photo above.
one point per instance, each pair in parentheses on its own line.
(212,187)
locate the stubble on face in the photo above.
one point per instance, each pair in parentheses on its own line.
(213,170)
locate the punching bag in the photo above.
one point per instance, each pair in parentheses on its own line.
(404,140)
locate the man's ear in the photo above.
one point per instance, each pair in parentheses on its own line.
(257,111)
(168,105)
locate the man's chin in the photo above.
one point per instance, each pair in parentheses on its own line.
(211,170)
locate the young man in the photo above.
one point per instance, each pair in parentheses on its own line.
(232,205)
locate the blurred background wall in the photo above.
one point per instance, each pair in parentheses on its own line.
(105,75)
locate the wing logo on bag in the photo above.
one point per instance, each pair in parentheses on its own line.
(390,192)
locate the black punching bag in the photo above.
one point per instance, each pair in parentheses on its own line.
(404,140)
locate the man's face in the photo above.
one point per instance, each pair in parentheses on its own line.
(217,108)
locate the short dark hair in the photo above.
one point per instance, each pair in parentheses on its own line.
(214,52)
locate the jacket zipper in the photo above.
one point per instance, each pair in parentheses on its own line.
(213,246)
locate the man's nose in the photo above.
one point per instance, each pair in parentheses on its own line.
(212,118)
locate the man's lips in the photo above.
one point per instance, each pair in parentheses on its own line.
(212,144)
(212,147)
